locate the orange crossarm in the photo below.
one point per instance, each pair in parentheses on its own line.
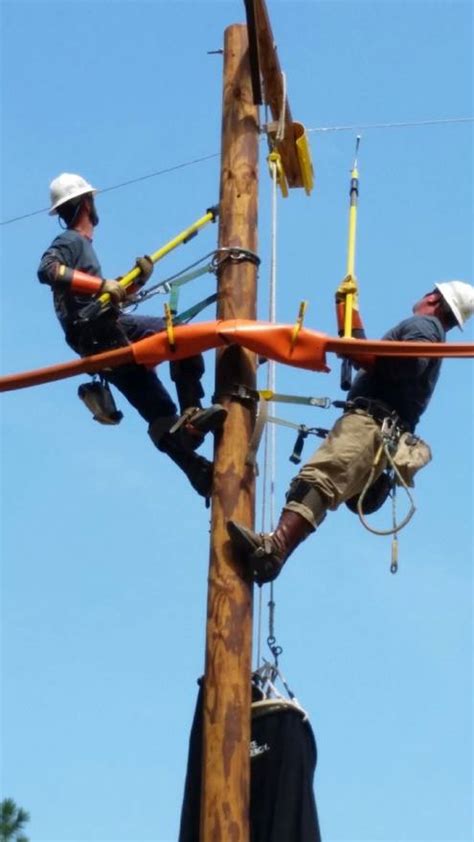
(263,338)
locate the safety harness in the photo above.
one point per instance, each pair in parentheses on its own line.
(379,485)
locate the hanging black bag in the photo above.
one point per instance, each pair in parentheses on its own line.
(99,400)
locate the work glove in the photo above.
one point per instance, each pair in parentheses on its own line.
(115,290)
(349,286)
(145,264)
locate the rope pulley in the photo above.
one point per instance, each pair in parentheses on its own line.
(277,171)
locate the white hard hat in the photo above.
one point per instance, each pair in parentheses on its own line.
(65,187)
(459,296)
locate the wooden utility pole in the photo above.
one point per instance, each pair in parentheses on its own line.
(227,692)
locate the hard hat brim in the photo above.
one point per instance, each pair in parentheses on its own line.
(452,306)
(81,192)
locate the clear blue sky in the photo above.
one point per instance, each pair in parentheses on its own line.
(105,547)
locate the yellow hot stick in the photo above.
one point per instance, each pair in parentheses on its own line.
(185,235)
(350,268)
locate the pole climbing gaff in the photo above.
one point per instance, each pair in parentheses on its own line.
(348,288)
(95,308)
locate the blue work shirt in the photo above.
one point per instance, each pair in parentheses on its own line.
(406,384)
(77,252)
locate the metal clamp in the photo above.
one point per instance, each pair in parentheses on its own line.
(303,433)
(235,254)
(238,393)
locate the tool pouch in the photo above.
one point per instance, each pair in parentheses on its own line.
(374,497)
(411,455)
(99,400)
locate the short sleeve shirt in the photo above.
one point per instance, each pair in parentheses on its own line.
(77,252)
(405,384)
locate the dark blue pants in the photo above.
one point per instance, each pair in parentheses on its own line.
(139,384)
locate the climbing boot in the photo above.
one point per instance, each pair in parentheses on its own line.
(265,553)
(195,422)
(197,469)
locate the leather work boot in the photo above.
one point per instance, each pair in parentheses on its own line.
(198,470)
(195,422)
(265,553)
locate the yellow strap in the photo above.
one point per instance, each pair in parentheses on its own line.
(170,327)
(275,158)
(299,324)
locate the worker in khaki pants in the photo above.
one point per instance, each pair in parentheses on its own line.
(392,388)
(338,467)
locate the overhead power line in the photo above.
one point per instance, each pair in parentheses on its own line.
(401,125)
(124,184)
(320,129)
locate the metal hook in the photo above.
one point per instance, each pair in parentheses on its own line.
(356,151)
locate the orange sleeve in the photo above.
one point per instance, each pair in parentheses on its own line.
(358,331)
(79,281)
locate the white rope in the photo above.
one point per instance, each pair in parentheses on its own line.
(270,432)
(269,471)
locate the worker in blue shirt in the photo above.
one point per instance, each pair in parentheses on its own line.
(398,389)
(71,268)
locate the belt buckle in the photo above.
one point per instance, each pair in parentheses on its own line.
(389,426)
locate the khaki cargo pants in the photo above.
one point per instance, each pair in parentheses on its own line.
(340,467)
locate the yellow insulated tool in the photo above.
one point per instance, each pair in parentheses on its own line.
(95,307)
(349,284)
(350,278)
